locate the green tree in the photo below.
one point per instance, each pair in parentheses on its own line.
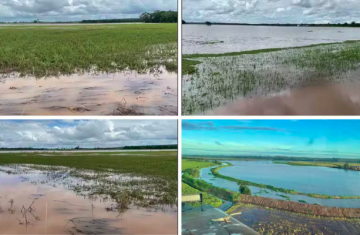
(346,166)
(208,23)
(245,190)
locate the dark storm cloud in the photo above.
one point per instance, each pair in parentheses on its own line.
(272,11)
(68,10)
(87,133)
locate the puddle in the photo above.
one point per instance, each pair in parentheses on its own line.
(341,99)
(125,93)
(60,200)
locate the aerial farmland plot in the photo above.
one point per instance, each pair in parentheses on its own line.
(88,69)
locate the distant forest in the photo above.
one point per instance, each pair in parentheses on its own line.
(155,17)
(174,146)
(353,24)
(276,158)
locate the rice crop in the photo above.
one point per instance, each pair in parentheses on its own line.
(213,80)
(43,51)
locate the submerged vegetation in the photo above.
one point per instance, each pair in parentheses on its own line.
(148,181)
(213,80)
(61,50)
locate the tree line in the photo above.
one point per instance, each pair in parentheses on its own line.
(155,17)
(172,146)
(346,24)
(160,17)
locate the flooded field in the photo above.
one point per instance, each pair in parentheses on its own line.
(122,93)
(202,39)
(89,69)
(272,82)
(38,199)
(340,182)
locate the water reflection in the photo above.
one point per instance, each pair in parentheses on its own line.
(57,200)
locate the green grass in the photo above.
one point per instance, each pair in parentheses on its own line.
(207,198)
(158,164)
(189,164)
(189,66)
(53,50)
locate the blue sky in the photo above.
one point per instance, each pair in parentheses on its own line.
(306,138)
(86,133)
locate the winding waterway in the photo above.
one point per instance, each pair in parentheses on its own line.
(321,180)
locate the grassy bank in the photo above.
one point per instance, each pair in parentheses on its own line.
(207,198)
(53,50)
(159,164)
(215,172)
(215,80)
(190,164)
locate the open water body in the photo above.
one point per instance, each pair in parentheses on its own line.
(234,38)
(321,180)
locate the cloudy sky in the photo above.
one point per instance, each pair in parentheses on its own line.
(308,138)
(87,133)
(74,10)
(272,11)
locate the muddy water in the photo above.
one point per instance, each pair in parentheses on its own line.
(51,207)
(126,93)
(197,38)
(341,99)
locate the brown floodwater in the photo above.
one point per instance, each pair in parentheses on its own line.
(125,93)
(329,99)
(31,202)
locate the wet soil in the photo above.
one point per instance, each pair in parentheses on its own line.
(269,221)
(126,93)
(316,100)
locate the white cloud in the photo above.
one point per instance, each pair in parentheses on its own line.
(53,10)
(262,11)
(87,133)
